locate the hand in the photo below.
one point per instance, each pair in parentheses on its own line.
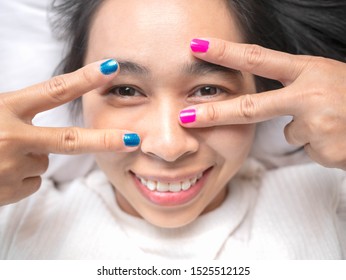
(314,93)
(24,148)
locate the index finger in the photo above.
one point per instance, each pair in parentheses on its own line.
(245,109)
(77,140)
(61,89)
(254,59)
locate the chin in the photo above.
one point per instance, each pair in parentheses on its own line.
(172,220)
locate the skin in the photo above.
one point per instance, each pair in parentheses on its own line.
(314,94)
(319,122)
(167,149)
(25,148)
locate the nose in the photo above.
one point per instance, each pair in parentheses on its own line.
(164,138)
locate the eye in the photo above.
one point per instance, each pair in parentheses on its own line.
(208,91)
(124,91)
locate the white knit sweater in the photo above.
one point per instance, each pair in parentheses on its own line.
(295,212)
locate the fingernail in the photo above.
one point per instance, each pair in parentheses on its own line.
(109,67)
(198,45)
(188,116)
(131,140)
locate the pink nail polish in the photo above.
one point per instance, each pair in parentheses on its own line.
(198,45)
(188,116)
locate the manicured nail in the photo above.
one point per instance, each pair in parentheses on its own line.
(109,67)
(131,140)
(188,116)
(198,45)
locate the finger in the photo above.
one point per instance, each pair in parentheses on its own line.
(75,140)
(254,59)
(29,165)
(61,89)
(324,152)
(249,108)
(14,193)
(315,156)
(34,165)
(296,133)
(29,186)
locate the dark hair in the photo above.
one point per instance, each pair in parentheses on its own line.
(306,27)
(313,27)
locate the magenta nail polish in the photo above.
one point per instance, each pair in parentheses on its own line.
(198,45)
(188,116)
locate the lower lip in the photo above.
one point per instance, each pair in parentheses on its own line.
(172,198)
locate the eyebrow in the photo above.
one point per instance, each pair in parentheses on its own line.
(130,67)
(196,68)
(201,67)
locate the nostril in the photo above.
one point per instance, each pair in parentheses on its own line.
(168,155)
(166,139)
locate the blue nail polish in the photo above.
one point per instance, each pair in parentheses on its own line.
(131,140)
(109,67)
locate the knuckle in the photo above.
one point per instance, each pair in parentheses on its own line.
(107,141)
(87,76)
(56,88)
(247,107)
(318,63)
(6,170)
(321,126)
(315,95)
(213,113)
(326,126)
(317,67)
(10,139)
(222,52)
(254,56)
(6,137)
(69,140)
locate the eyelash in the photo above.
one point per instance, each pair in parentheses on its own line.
(215,91)
(115,91)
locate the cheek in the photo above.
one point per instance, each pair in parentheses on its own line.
(231,142)
(92,109)
(98,114)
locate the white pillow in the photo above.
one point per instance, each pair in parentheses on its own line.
(29,54)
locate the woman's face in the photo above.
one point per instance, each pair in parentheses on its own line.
(177,173)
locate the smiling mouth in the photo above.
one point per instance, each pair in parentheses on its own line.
(171,192)
(170,187)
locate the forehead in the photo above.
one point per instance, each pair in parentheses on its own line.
(143,30)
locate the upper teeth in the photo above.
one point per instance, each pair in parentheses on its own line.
(170,187)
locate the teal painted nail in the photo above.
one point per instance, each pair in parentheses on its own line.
(131,139)
(109,67)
